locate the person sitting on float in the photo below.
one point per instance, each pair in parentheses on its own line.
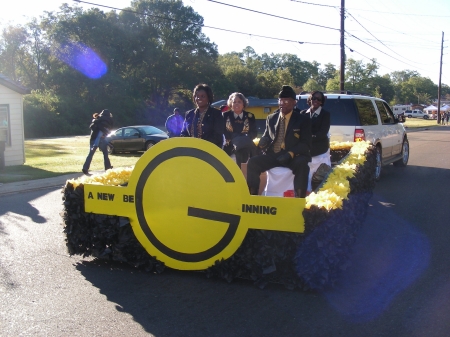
(204,122)
(287,143)
(240,129)
(320,128)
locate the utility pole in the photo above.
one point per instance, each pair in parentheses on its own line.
(342,73)
(439,87)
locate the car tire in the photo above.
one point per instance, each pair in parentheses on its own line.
(425,117)
(110,149)
(379,163)
(405,155)
(409,116)
(148,145)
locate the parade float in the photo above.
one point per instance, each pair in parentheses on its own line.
(185,205)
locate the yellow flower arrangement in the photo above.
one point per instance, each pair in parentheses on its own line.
(114,177)
(337,187)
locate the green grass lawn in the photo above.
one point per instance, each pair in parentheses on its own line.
(50,157)
(419,123)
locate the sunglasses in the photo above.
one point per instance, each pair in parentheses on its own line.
(316,99)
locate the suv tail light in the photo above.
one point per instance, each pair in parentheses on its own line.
(359,135)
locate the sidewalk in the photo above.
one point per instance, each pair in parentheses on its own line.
(39,184)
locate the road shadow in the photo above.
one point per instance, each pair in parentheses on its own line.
(24,208)
(177,303)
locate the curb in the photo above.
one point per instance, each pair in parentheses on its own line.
(34,185)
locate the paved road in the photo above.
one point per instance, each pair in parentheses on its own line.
(398,284)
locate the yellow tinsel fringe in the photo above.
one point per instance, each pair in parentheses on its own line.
(113,177)
(337,187)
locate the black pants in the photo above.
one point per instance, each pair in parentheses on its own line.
(261,163)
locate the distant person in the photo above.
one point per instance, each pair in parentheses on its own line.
(320,128)
(174,123)
(101,125)
(240,129)
(286,142)
(204,122)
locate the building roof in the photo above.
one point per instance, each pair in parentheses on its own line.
(5,81)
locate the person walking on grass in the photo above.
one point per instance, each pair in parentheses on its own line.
(100,126)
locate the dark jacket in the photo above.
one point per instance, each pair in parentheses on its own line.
(103,123)
(212,125)
(298,132)
(235,127)
(320,126)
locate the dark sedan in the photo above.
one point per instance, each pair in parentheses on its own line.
(134,138)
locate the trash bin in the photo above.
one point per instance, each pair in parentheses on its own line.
(2,154)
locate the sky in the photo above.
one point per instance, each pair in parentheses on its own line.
(400,34)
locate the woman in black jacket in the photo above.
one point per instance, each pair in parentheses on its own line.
(101,125)
(240,129)
(204,122)
(320,128)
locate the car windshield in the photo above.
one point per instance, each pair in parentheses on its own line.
(342,111)
(150,130)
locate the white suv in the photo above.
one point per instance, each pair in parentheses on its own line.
(359,117)
(417,114)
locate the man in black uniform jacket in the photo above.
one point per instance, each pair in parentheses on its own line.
(287,140)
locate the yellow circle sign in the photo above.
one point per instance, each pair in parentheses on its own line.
(189,204)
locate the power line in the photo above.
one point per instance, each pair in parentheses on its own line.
(310,3)
(204,26)
(394,13)
(368,10)
(382,51)
(379,40)
(272,15)
(354,51)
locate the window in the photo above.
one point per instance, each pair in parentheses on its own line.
(129,132)
(367,112)
(386,115)
(5,128)
(342,111)
(267,110)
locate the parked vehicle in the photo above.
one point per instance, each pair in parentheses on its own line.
(357,117)
(417,114)
(399,108)
(134,138)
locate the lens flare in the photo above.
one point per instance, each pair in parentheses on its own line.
(390,254)
(82,58)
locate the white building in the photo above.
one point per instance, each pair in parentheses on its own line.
(11,121)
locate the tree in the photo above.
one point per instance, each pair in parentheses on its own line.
(13,52)
(418,88)
(312,85)
(325,74)
(398,77)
